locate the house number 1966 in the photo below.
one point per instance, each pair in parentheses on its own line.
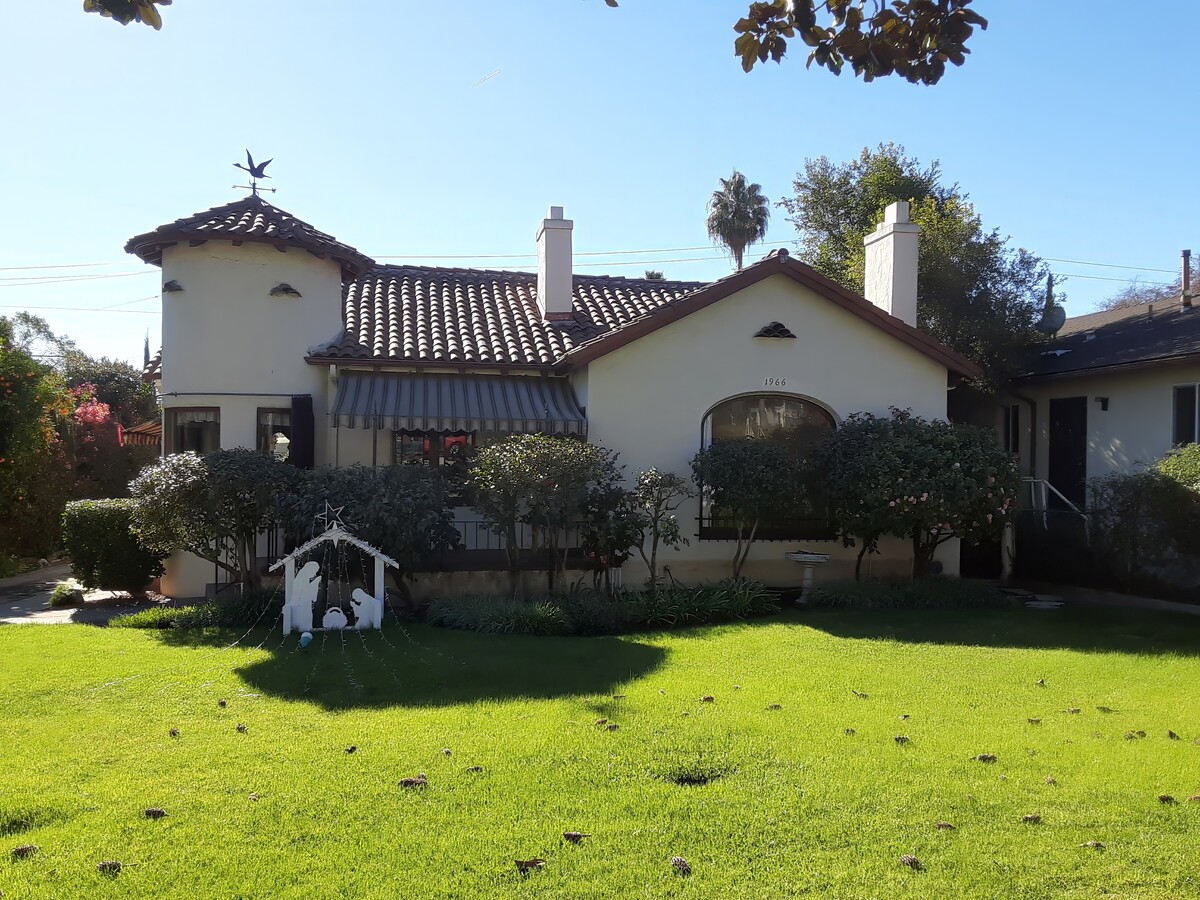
(774,382)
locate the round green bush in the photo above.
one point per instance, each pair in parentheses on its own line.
(104,553)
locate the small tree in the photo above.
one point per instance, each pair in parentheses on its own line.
(206,504)
(658,494)
(915,479)
(543,482)
(747,481)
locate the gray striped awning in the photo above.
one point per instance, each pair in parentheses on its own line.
(517,404)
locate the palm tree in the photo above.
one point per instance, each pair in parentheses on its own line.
(737,215)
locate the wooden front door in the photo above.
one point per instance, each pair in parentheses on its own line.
(1068,449)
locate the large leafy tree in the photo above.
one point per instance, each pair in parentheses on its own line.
(976,294)
(114,383)
(738,214)
(913,39)
(924,481)
(35,408)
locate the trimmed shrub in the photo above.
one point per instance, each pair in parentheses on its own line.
(926,593)
(104,552)
(64,596)
(498,615)
(252,608)
(584,612)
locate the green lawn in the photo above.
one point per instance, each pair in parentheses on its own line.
(797,806)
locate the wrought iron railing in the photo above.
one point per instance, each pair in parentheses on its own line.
(475,535)
(777,528)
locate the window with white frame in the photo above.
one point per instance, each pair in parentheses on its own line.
(1185,416)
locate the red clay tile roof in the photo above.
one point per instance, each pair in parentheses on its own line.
(250,219)
(152,371)
(422,314)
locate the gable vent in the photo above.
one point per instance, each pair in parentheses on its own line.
(774,330)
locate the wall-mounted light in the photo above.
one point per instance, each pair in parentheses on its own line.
(284,290)
(172,287)
(1103,401)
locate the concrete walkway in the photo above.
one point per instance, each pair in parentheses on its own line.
(1084,596)
(24,601)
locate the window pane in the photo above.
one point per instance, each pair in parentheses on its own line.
(769,416)
(197,430)
(275,432)
(413,449)
(1185,415)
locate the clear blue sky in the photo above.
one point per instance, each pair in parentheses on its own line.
(1073,127)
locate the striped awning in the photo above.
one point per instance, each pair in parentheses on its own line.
(516,404)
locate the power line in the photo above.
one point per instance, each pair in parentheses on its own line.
(69,279)
(91,309)
(1077,262)
(130,302)
(62,266)
(1118,280)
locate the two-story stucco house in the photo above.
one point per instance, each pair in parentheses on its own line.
(278,336)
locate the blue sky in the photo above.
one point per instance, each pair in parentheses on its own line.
(1073,127)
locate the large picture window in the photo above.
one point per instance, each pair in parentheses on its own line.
(197,429)
(1185,418)
(797,423)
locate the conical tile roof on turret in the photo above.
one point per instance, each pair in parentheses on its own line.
(250,219)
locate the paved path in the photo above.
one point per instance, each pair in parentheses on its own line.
(1083,596)
(24,598)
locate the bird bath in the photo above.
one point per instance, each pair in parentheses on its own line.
(808,559)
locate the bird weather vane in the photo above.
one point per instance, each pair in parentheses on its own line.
(257,171)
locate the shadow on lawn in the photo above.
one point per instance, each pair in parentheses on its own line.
(1095,630)
(421,666)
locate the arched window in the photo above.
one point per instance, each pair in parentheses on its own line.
(796,422)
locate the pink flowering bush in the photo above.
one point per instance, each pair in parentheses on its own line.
(925,481)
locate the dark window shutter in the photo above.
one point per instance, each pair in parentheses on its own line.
(302,451)
(1184,431)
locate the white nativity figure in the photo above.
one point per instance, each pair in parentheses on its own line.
(334,619)
(302,585)
(301,596)
(368,611)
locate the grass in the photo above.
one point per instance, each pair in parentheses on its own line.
(761,802)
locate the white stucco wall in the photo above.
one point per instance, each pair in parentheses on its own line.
(225,336)
(648,399)
(1133,432)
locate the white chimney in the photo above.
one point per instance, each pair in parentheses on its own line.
(890,279)
(554,265)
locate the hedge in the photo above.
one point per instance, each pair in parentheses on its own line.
(104,553)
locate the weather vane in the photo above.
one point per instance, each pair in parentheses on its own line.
(257,171)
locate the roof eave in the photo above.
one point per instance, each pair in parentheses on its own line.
(777,264)
(1108,368)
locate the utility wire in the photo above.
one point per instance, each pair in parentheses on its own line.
(1118,280)
(62,266)
(1077,262)
(69,279)
(91,309)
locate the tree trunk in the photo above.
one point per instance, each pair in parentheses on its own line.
(858,562)
(922,555)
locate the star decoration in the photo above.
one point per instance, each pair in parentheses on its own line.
(332,517)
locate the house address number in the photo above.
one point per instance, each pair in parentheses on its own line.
(774,382)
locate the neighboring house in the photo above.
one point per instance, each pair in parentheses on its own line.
(276,335)
(1113,391)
